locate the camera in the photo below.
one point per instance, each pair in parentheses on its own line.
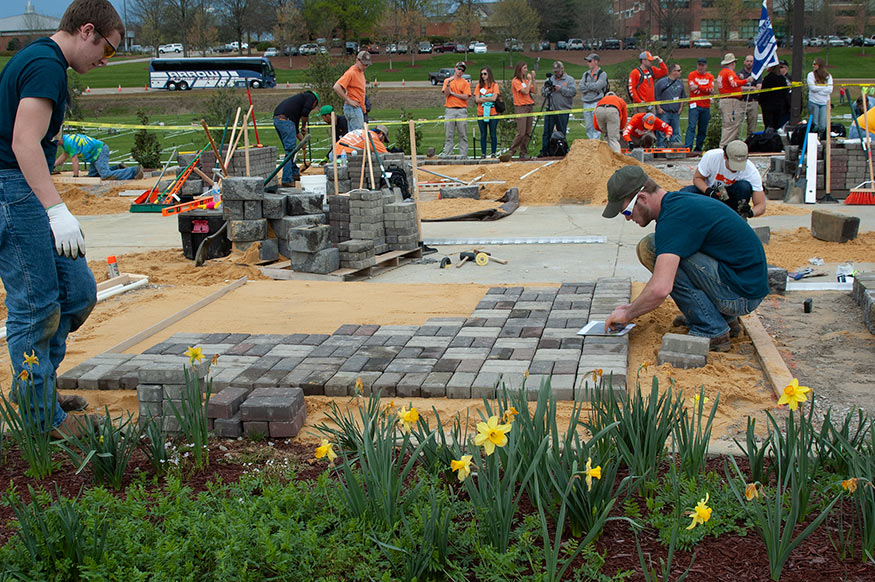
(550,81)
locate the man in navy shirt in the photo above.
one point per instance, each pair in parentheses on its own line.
(50,290)
(290,121)
(703,254)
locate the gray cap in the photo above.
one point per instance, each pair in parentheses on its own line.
(625,182)
(736,155)
(593,57)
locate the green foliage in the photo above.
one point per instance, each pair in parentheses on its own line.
(153,442)
(24,427)
(75,88)
(402,135)
(838,444)
(146,150)
(755,451)
(321,76)
(692,435)
(792,448)
(191,414)
(61,539)
(105,449)
(715,127)
(221,104)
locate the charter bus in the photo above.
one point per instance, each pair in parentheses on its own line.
(210,72)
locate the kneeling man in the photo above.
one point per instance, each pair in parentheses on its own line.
(703,254)
(727,175)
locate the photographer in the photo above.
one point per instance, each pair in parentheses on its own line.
(559,90)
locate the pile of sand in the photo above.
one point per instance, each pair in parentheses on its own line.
(82,202)
(792,249)
(170,267)
(446,207)
(774,208)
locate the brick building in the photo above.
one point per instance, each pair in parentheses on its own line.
(23,28)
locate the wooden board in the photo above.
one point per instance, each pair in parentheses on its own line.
(282,271)
(776,369)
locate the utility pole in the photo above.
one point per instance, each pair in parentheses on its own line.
(125,7)
(798,65)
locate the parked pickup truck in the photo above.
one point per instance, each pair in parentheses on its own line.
(438,78)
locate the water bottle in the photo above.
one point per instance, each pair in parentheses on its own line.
(342,161)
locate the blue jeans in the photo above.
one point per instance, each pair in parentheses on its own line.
(699,117)
(47,295)
(355,117)
(819,113)
(553,123)
(491,126)
(708,303)
(100,167)
(673,118)
(289,138)
(740,192)
(588,114)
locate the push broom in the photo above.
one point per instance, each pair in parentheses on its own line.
(861,195)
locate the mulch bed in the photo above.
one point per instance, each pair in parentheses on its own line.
(728,558)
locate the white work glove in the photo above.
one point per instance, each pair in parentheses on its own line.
(69,239)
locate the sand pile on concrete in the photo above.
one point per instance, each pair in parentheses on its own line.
(82,202)
(792,249)
(446,207)
(170,267)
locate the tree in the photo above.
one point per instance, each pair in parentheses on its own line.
(467,23)
(181,14)
(290,27)
(515,19)
(671,16)
(729,14)
(555,21)
(594,20)
(349,15)
(152,16)
(204,33)
(236,15)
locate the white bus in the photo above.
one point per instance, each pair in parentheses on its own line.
(211,72)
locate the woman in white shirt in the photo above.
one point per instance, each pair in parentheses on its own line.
(819,91)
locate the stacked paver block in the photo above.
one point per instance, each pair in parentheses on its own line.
(277,412)
(356,254)
(777,279)
(609,354)
(684,351)
(366,218)
(224,411)
(338,218)
(848,169)
(301,232)
(472,192)
(243,205)
(864,295)
(161,386)
(344,184)
(399,219)
(262,161)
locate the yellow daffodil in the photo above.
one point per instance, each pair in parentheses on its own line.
(215,359)
(23,375)
(31,360)
(695,400)
(526,375)
(751,491)
(195,354)
(597,374)
(408,418)
(645,365)
(359,385)
(850,485)
(509,415)
(794,394)
(463,466)
(701,513)
(100,440)
(592,473)
(326,449)
(490,434)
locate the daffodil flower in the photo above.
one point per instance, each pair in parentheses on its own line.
(462,466)
(215,359)
(490,434)
(408,418)
(794,394)
(592,473)
(850,485)
(195,354)
(31,360)
(509,415)
(359,385)
(696,398)
(23,375)
(326,449)
(526,374)
(751,491)
(100,440)
(701,513)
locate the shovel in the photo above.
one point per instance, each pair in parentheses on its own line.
(795,193)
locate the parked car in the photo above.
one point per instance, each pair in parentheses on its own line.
(374,49)
(512,44)
(561,45)
(460,48)
(308,48)
(173,47)
(351,47)
(479,48)
(424,47)
(445,73)
(684,43)
(545,45)
(702,43)
(402,48)
(391,49)
(575,44)
(629,42)
(446,47)
(835,41)
(612,44)
(290,50)
(234,46)
(272,52)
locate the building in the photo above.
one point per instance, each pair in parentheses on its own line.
(23,28)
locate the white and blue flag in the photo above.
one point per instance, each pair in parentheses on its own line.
(766,50)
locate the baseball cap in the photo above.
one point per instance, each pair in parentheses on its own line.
(649,120)
(364,56)
(645,55)
(461,65)
(736,155)
(558,65)
(784,62)
(593,57)
(625,182)
(702,61)
(326,110)
(728,59)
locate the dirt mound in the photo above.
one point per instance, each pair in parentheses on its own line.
(82,202)
(792,249)
(170,267)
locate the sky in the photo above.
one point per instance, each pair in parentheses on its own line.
(48,7)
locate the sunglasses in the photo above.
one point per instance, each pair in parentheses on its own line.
(108,49)
(484,74)
(628,210)
(460,69)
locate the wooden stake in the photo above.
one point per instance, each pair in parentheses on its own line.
(231,139)
(203,176)
(362,175)
(233,147)
(246,143)
(828,140)
(215,149)
(368,156)
(415,180)
(333,150)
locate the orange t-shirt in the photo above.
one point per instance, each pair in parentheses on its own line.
(354,141)
(729,82)
(353,81)
(704,86)
(612,101)
(519,97)
(478,92)
(456,85)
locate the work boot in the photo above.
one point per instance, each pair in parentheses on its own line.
(74,426)
(721,343)
(287,185)
(504,158)
(680,321)
(139,174)
(72,402)
(735,328)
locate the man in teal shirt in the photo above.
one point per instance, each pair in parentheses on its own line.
(703,254)
(93,151)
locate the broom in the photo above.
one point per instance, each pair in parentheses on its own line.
(860,195)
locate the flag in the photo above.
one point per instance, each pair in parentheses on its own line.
(766,47)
